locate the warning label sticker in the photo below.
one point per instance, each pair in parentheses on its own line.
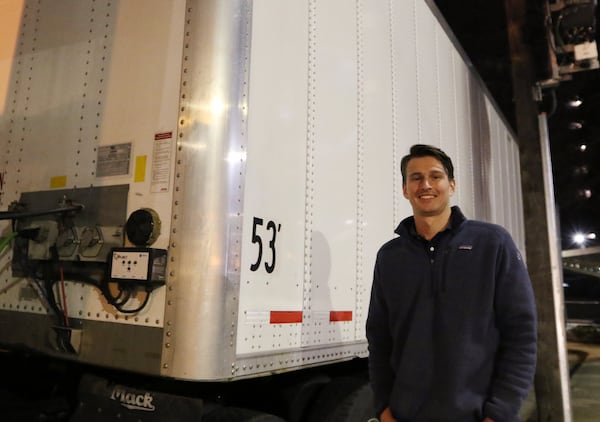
(161,164)
(113,160)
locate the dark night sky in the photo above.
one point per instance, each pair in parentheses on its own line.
(575,146)
(481,28)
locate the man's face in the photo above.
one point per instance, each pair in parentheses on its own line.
(427,186)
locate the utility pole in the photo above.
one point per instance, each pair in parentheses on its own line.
(541,235)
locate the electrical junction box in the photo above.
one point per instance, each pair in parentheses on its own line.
(141,266)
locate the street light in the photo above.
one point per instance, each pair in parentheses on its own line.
(581,239)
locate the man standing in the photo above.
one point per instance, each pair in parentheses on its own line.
(452,321)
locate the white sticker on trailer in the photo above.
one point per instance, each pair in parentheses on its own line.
(161,162)
(113,160)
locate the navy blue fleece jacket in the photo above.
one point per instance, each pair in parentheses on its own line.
(451,324)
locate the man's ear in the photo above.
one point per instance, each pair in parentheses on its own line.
(404,191)
(452,186)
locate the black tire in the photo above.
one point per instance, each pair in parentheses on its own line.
(237,414)
(344,399)
(301,395)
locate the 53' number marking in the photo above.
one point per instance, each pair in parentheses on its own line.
(257,238)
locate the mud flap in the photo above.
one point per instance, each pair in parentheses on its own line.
(101,400)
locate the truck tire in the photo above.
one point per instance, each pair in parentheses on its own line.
(344,399)
(237,414)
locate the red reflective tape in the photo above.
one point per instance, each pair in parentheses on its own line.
(340,316)
(285,317)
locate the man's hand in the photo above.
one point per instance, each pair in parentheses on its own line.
(386,416)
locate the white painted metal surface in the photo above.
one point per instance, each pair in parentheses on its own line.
(391,78)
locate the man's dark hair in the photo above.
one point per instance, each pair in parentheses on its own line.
(420,150)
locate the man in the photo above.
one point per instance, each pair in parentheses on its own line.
(452,321)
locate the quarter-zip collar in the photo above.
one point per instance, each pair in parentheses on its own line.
(407,226)
(436,248)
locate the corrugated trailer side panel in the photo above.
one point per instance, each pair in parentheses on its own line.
(394,78)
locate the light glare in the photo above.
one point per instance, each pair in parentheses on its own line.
(579,238)
(575,102)
(575,125)
(217,106)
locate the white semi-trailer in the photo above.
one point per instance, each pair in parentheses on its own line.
(196,189)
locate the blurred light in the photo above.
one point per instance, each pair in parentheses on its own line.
(575,125)
(581,238)
(582,147)
(585,193)
(574,102)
